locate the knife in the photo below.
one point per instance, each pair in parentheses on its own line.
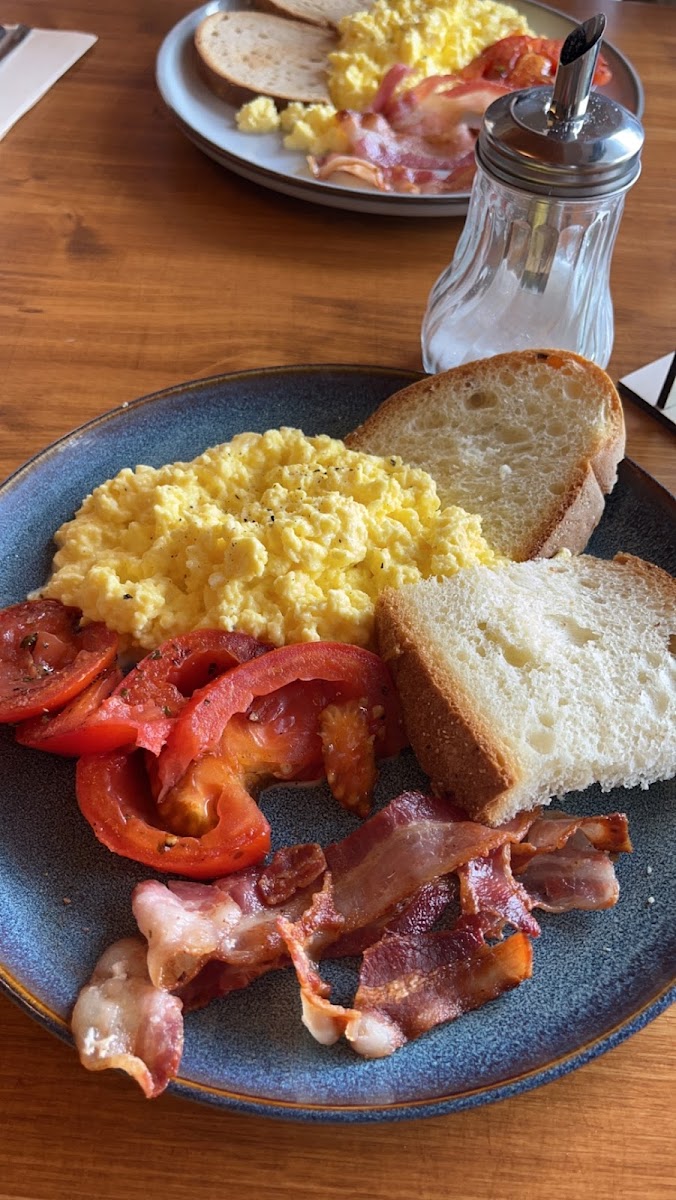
(11,38)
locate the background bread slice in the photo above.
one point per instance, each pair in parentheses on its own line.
(254,53)
(529,440)
(530,680)
(316,12)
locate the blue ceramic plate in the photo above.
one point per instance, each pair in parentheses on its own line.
(63,898)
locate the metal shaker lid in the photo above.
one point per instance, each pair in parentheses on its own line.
(563,141)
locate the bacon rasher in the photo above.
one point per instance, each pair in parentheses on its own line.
(188,925)
(378,891)
(419,140)
(122,1020)
(409,984)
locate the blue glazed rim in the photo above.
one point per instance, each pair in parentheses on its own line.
(459,1100)
(436,1107)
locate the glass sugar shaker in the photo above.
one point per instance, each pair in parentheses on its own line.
(532,265)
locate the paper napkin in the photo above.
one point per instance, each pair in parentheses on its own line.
(33,67)
(653,388)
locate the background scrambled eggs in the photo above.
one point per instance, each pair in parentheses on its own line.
(286,537)
(436,37)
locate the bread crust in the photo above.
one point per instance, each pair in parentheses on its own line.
(449,737)
(321,14)
(571,522)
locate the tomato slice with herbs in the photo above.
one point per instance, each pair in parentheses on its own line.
(145,703)
(47,657)
(57,731)
(297,713)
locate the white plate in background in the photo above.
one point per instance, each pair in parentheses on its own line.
(209,122)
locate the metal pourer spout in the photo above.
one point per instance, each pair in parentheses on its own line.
(577,64)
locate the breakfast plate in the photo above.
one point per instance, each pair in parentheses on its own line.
(599,976)
(209,122)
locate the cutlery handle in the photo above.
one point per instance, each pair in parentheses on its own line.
(12,38)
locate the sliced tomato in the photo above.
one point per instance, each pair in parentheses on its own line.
(521,61)
(57,731)
(142,708)
(115,797)
(47,657)
(347,671)
(294,714)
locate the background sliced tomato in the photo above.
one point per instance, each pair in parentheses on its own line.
(142,708)
(114,795)
(47,657)
(521,61)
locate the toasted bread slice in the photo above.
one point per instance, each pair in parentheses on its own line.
(315,12)
(529,680)
(529,440)
(254,53)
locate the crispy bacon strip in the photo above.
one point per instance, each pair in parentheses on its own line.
(411,984)
(574,877)
(564,863)
(325,1021)
(413,841)
(187,925)
(552,830)
(289,871)
(408,984)
(379,890)
(488,888)
(375,872)
(122,1020)
(412,915)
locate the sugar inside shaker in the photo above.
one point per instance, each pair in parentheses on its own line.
(532,265)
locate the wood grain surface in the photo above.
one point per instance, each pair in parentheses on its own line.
(129,262)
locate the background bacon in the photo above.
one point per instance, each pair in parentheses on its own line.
(417,140)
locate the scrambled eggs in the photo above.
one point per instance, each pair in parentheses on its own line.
(436,37)
(286,537)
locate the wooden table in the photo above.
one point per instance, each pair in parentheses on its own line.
(129,262)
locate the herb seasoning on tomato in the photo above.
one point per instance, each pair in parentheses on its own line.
(47,657)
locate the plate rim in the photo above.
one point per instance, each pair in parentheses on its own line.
(353,197)
(408,1109)
(400,1110)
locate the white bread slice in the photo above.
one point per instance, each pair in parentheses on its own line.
(529,440)
(315,12)
(530,680)
(255,52)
